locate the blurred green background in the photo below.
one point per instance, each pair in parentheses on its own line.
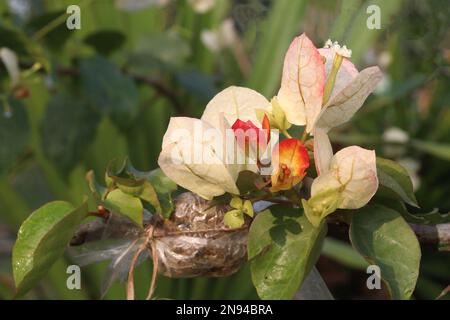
(108,89)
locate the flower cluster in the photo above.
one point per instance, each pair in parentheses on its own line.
(320,89)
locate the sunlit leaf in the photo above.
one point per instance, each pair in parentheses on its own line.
(41,240)
(384,238)
(283,247)
(395,181)
(125,204)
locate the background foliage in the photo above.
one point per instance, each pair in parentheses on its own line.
(108,90)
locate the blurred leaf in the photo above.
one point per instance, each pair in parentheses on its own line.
(126,205)
(135,5)
(282,247)
(384,238)
(281,27)
(432,218)
(13,40)
(14,135)
(110,91)
(166,50)
(56,38)
(396,180)
(42,239)
(347,13)
(198,84)
(69,125)
(359,38)
(97,189)
(440,150)
(105,41)
(343,253)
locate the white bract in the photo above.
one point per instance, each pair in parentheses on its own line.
(353,170)
(194,151)
(307,72)
(302,83)
(11,63)
(348,180)
(223,37)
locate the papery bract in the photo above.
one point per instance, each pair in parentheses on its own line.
(323,152)
(351,89)
(302,83)
(234,103)
(192,157)
(354,168)
(351,178)
(292,161)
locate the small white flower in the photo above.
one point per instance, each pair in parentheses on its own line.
(395,135)
(202,6)
(217,40)
(328,44)
(342,51)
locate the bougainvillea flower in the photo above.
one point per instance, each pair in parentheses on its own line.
(349,182)
(194,152)
(321,87)
(290,164)
(192,158)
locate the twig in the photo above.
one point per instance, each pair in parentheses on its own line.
(130,282)
(155,270)
(156,84)
(433,234)
(161,89)
(443,293)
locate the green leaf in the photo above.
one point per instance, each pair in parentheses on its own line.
(68,127)
(279,29)
(234,219)
(97,190)
(105,41)
(283,247)
(110,91)
(439,150)
(159,51)
(126,205)
(41,240)
(57,37)
(153,186)
(13,40)
(343,253)
(385,239)
(14,135)
(395,181)
(431,218)
(197,84)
